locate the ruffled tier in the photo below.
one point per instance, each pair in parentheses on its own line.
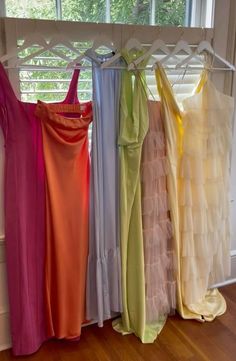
(158,234)
(198,275)
(154,206)
(202,221)
(153,143)
(208,195)
(205,170)
(102,275)
(162,304)
(206,140)
(154,169)
(157,228)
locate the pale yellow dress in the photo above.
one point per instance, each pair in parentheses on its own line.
(198,148)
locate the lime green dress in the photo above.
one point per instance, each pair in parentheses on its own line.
(133,128)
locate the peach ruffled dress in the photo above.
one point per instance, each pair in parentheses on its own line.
(157,228)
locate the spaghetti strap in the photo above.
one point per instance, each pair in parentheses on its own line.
(6,89)
(165,90)
(72,96)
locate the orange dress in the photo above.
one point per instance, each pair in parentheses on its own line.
(65,143)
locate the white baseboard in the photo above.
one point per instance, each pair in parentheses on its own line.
(5,338)
(232,278)
(5,347)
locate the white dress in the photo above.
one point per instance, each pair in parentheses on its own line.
(203,192)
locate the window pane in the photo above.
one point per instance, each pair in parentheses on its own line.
(171,12)
(166,12)
(35,9)
(84,10)
(130,11)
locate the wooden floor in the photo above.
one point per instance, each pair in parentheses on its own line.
(179,340)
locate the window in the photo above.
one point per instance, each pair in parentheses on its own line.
(153,12)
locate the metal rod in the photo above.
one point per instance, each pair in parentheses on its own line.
(84,67)
(58,10)
(152,12)
(108,11)
(188,13)
(2,9)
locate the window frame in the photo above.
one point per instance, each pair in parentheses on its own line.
(198,12)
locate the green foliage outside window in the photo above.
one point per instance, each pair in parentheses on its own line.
(167,12)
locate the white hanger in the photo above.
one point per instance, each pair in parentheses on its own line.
(55,40)
(132,43)
(32,39)
(204,46)
(158,44)
(181,45)
(103,41)
(100,41)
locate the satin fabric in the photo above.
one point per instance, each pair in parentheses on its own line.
(104,269)
(65,146)
(212,303)
(133,128)
(24,206)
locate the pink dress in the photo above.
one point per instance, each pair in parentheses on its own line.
(25,216)
(157,230)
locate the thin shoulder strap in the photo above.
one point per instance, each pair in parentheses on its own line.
(165,90)
(72,97)
(202,81)
(168,98)
(6,89)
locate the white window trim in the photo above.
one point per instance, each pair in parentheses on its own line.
(202,13)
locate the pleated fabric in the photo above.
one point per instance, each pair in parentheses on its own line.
(195,188)
(133,128)
(24,206)
(157,228)
(104,269)
(65,146)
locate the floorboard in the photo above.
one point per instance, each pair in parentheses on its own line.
(180,340)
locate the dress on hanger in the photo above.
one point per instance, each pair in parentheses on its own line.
(67,165)
(198,147)
(157,229)
(133,128)
(25,216)
(103,275)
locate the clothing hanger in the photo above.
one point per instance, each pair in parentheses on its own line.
(181,45)
(30,40)
(132,43)
(205,46)
(100,41)
(55,40)
(103,41)
(158,44)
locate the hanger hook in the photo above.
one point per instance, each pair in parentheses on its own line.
(181,34)
(203,33)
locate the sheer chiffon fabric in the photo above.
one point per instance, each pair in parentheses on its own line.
(198,146)
(157,228)
(204,188)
